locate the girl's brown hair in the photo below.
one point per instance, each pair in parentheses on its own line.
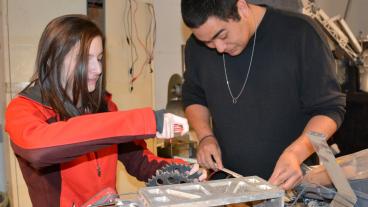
(58,38)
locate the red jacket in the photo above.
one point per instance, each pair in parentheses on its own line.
(64,163)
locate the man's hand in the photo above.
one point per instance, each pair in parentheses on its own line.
(173,125)
(287,173)
(209,154)
(203,172)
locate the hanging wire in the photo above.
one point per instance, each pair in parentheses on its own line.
(152,32)
(297,197)
(151,35)
(134,56)
(347,9)
(148,44)
(125,25)
(128,20)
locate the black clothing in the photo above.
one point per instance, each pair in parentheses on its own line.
(291,80)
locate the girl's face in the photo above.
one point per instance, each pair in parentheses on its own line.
(95,56)
(94,67)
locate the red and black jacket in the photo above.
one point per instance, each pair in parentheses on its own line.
(64,163)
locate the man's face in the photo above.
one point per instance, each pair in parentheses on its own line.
(229,37)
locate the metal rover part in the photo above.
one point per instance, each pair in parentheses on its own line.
(345,196)
(214,193)
(173,174)
(232,173)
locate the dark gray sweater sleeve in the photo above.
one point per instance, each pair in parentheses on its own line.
(319,89)
(159,116)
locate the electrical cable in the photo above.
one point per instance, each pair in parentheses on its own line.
(297,197)
(148,45)
(130,41)
(151,34)
(152,30)
(136,31)
(128,35)
(125,17)
(347,8)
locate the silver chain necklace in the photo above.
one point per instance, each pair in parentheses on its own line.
(235,99)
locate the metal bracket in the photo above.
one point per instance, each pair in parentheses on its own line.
(345,196)
(214,193)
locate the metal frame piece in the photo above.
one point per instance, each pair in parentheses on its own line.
(336,27)
(214,193)
(345,196)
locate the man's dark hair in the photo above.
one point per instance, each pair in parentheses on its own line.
(196,12)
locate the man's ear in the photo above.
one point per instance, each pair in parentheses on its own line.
(243,8)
